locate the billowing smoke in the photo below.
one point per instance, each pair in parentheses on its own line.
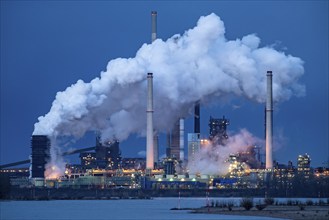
(213,159)
(201,65)
(55,167)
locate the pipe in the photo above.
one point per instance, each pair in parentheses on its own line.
(149,124)
(269,121)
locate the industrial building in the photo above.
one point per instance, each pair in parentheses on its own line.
(174,150)
(217,130)
(106,155)
(40,145)
(193,144)
(102,166)
(304,165)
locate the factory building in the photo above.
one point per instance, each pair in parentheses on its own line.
(217,130)
(88,159)
(133,163)
(304,165)
(40,155)
(174,144)
(193,140)
(106,156)
(169,166)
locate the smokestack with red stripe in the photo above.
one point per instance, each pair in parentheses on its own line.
(269,121)
(149,124)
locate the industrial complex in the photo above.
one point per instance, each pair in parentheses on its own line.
(103,167)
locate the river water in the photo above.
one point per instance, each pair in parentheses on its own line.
(157,208)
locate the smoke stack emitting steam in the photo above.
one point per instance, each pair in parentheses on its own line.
(149,124)
(269,120)
(199,65)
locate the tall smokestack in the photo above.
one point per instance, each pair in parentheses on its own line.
(154,25)
(149,124)
(269,119)
(197,118)
(153,38)
(181,139)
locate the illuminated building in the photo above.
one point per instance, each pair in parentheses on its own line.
(303,165)
(133,163)
(321,172)
(169,166)
(236,167)
(88,159)
(217,130)
(106,156)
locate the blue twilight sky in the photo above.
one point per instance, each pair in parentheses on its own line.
(48,45)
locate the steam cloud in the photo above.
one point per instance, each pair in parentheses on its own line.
(212,158)
(200,65)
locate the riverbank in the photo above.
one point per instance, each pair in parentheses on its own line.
(285,212)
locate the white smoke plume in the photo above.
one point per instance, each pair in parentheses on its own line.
(212,159)
(55,167)
(201,65)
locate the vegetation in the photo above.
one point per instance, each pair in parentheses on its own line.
(269,201)
(309,202)
(247,203)
(260,206)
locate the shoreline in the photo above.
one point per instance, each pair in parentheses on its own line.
(273,211)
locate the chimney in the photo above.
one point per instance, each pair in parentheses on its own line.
(154,25)
(269,120)
(155,133)
(149,124)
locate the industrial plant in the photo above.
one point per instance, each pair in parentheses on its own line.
(103,167)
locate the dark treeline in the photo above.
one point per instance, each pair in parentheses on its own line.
(298,186)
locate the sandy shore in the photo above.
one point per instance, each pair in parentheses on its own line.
(286,212)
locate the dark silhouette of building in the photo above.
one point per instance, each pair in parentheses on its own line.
(217,130)
(197,118)
(174,145)
(172,150)
(106,156)
(114,155)
(40,155)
